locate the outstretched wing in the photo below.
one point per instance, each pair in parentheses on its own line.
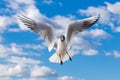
(79,26)
(45,30)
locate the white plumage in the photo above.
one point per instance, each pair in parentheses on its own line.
(61,45)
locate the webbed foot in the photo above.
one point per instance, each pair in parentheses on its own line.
(70,58)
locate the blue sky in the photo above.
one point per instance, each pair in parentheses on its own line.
(24,55)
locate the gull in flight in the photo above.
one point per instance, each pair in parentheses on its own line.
(62,44)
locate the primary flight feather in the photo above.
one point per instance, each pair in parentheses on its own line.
(61,44)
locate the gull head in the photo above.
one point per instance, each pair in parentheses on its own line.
(62,38)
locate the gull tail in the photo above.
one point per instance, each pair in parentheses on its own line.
(55,58)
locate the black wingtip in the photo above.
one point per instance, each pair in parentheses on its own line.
(99,16)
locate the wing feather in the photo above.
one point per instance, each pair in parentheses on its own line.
(79,26)
(45,30)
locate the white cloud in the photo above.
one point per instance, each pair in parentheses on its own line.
(113,8)
(15,4)
(11,70)
(4,51)
(15,65)
(18,50)
(43,71)
(63,22)
(117,29)
(23,60)
(15,49)
(114,53)
(90,52)
(14,30)
(33,46)
(108,53)
(66,78)
(69,78)
(4,22)
(33,12)
(80,44)
(5,78)
(98,33)
(25,1)
(48,2)
(32,78)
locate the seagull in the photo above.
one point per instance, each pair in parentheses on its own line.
(61,44)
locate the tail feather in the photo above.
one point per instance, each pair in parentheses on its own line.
(56,59)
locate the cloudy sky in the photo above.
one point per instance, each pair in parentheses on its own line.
(24,55)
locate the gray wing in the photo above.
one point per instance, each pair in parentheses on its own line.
(45,30)
(79,26)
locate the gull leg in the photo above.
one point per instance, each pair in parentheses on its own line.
(69,56)
(61,60)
